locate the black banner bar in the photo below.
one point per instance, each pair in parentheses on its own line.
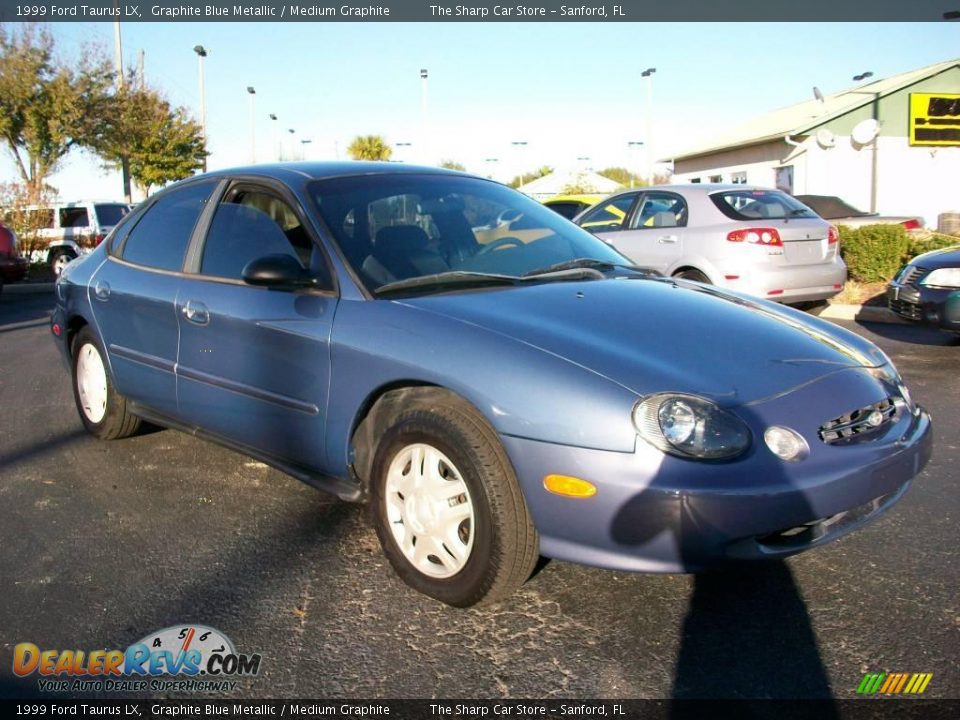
(485,11)
(863,709)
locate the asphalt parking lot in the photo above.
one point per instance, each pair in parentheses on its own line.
(102,543)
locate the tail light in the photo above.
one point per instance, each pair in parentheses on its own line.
(833,235)
(8,242)
(756,236)
(98,239)
(911,224)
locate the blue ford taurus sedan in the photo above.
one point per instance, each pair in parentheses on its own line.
(494,401)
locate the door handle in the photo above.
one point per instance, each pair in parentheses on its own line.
(101,290)
(665,239)
(196,312)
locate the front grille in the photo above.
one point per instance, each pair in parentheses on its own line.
(858,424)
(906,309)
(911,274)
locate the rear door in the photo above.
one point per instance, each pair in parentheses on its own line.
(654,230)
(133,296)
(254,362)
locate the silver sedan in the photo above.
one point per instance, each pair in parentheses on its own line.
(755,240)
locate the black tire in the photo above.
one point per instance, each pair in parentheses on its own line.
(59,260)
(505,544)
(691,274)
(117,421)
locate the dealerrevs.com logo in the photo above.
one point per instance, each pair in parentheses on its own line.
(180,658)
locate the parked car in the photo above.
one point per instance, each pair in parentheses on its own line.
(12,266)
(832,208)
(572,205)
(927,289)
(342,322)
(749,239)
(69,230)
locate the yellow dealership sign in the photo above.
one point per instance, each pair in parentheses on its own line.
(935,119)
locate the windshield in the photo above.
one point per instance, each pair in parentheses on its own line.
(394,227)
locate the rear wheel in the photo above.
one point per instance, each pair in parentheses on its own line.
(59,259)
(447,506)
(691,274)
(102,409)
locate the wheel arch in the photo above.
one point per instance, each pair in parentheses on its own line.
(379,409)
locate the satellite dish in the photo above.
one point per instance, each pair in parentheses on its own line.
(865,131)
(817,94)
(825,138)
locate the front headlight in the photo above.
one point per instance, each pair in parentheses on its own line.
(690,426)
(944,277)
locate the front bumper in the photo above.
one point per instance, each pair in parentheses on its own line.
(657,513)
(939,307)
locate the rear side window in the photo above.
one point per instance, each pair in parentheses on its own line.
(759,205)
(109,214)
(159,240)
(74,217)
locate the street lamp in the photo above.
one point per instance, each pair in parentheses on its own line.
(303,148)
(425,138)
(253,123)
(490,162)
(273,134)
(201,52)
(862,76)
(633,144)
(519,145)
(648,74)
(403,145)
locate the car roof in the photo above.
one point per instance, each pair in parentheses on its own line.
(321,170)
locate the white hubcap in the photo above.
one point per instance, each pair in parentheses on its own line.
(91,383)
(429,510)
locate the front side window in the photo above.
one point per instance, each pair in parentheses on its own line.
(610,215)
(160,238)
(759,205)
(248,225)
(395,227)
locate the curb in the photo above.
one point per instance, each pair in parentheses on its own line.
(28,288)
(862,313)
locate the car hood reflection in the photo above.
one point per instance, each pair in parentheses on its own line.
(648,335)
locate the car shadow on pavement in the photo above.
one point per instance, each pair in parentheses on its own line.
(912,334)
(747,633)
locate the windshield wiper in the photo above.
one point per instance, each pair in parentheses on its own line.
(586,263)
(445,279)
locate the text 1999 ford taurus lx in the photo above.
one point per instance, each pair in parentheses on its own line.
(492,401)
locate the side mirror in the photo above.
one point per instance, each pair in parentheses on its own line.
(276,271)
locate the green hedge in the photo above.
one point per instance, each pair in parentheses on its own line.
(936,241)
(873,253)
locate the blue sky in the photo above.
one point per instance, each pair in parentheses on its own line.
(569,90)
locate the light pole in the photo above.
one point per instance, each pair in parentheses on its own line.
(519,145)
(273,136)
(201,54)
(424,141)
(118,60)
(403,145)
(490,162)
(290,131)
(633,144)
(584,159)
(303,148)
(648,74)
(253,124)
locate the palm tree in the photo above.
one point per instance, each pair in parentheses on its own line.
(369,147)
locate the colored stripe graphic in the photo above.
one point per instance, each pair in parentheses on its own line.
(894,683)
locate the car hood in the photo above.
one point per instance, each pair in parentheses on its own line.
(658,335)
(943,258)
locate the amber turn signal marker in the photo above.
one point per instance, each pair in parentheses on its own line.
(569,486)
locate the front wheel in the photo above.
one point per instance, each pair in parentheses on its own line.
(102,409)
(448,509)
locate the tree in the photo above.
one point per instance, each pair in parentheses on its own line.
(369,147)
(526,177)
(623,177)
(453,165)
(46,107)
(163,144)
